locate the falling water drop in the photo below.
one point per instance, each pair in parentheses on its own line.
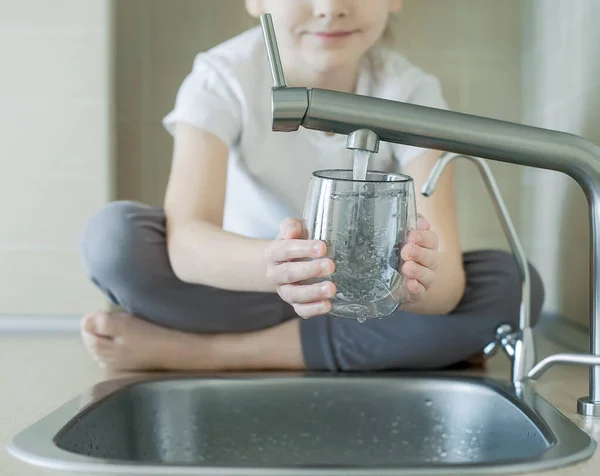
(361,320)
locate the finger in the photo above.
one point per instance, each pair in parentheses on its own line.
(287,250)
(424,239)
(296,271)
(299,294)
(422,223)
(413,270)
(313,309)
(415,289)
(423,256)
(291,228)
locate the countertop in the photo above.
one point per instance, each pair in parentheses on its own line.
(40,373)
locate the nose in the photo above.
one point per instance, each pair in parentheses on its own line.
(331,8)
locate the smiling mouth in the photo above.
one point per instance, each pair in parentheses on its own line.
(333,34)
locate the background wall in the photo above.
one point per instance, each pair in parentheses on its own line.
(561,67)
(474,48)
(55,148)
(156,42)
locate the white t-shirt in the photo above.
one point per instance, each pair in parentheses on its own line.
(228,93)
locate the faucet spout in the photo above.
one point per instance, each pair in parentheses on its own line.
(363,139)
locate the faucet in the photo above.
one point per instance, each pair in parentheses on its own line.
(458,133)
(519,345)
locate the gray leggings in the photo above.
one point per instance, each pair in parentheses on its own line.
(125,255)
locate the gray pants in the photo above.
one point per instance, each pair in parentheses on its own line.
(125,255)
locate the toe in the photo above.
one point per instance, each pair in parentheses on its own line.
(97,346)
(87,323)
(99,324)
(100,348)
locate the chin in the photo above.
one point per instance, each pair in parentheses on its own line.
(332,61)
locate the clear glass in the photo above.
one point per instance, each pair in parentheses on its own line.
(365,224)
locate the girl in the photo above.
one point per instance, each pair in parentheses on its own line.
(212,281)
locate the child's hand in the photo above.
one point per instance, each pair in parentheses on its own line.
(286,273)
(421,261)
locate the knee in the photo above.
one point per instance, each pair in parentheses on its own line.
(506,286)
(412,341)
(110,241)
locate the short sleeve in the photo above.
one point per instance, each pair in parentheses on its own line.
(426,92)
(206,99)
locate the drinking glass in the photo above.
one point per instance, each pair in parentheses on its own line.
(365,224)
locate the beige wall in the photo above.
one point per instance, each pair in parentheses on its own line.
(561,66)
(54,148)
(156,42)
(474,48)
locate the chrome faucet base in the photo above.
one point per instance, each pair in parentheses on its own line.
(588,408)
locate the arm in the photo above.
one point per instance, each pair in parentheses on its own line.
(439,210)
(200,251)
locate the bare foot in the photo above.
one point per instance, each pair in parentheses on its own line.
(120,341)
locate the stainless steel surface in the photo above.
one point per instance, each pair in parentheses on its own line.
(466,134)
(587,408)
(290,111)
(363,139)
(568,359)
(522,353)
(307,425)
(272,51)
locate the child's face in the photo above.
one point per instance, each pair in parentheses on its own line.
(326,34)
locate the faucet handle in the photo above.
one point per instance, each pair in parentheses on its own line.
(266,22)
(502,339)
(491,349)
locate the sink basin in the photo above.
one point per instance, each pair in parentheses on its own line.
(307,424)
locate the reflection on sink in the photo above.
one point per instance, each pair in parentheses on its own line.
(313,424)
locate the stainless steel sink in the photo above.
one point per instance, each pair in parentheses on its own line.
(307,424)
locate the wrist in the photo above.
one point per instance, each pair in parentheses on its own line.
(262,264)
